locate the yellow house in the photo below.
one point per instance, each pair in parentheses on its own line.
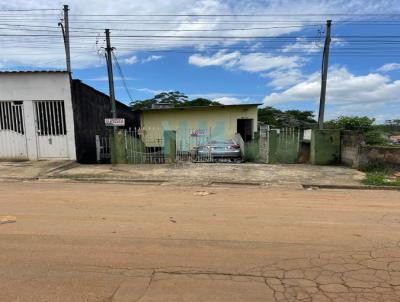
(213,122)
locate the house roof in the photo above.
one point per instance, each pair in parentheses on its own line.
(33,71)
(200,107)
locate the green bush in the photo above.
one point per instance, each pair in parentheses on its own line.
(375,138)
(251,151)
(361,123)
(378,175)
(377,167)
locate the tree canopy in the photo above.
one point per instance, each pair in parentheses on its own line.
(373,133)
(172,97)
(362,123)
(289,119)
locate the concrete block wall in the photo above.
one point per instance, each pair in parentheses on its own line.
(351,147)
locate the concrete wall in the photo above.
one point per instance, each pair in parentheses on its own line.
(380,155)
(355,154)
(325,147)
(351,145)
(39,86)
(221,121)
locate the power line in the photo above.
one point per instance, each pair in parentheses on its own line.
(29,10)
(160,29)
(237,15)
(215,37)
(121,74)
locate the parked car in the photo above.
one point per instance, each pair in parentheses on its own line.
(218,150)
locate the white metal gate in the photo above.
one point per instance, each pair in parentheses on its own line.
(51,130)
(12,131)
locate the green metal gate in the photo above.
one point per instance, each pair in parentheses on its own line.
(279,145)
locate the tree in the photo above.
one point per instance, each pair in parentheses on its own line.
(291,118)
(268,115)
(361,123)
(171,97)
(174,97)
(200,102)
(296,119)
(373,134)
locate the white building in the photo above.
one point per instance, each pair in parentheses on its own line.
(36,116)
(41,117)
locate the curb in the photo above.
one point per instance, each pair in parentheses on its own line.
(351,187)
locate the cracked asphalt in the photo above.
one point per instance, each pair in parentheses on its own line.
(116,243)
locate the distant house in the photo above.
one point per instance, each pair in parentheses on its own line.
(44,115)
(216,121)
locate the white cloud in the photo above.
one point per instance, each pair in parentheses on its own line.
(307,46)
(152,59)
(254,62)
(220,58)
(257,62)
(151,91)
(131,60)
(389,67)
(302,45)
(134,59)
(346,92)
(228,100)
(281,78)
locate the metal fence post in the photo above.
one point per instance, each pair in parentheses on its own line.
(98,146)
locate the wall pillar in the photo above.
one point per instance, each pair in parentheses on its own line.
(30,131)
(118,148)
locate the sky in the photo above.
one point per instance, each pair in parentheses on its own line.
(267,52)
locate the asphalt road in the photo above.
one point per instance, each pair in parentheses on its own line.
(107,242)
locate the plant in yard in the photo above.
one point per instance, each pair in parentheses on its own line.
(375,138)
(361,123)
(381,175)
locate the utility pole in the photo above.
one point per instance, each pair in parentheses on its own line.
(108,55)
(109,51)
(324,74)
(65,31)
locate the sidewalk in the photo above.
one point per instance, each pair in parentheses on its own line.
(30,170)
(184,174)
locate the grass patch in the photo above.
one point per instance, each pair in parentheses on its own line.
(378,175)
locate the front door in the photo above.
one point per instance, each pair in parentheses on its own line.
(245,129)
(51,131)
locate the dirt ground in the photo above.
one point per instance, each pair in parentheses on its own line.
(117,243)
